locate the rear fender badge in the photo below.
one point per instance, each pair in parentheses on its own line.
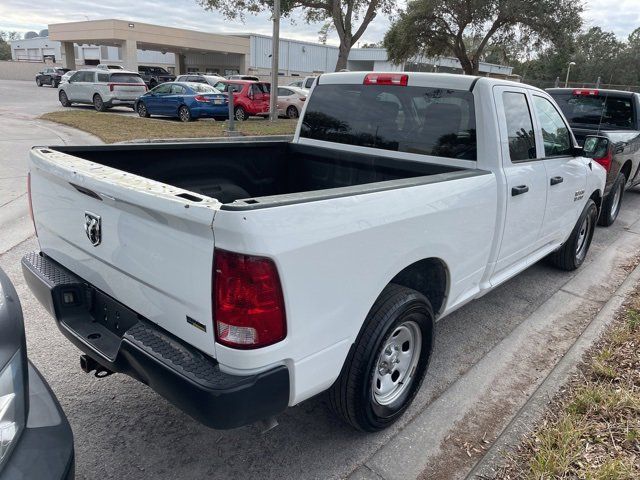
(93,228)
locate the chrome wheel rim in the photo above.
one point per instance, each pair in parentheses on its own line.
(615,205)
(583,235)
(292,112)
(395,367)
(97,103)
(142,110)
(240,114)
(184,114)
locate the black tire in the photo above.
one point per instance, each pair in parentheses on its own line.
(38,82)
(56,84)
(240,114)
(572,254)
(98,103)
(142,110)
(611,204)
(292,112)
(352,397)
(184,114)
(64,100)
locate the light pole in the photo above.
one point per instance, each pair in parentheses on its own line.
(275,46)
(566,82)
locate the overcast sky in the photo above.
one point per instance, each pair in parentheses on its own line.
(619,16)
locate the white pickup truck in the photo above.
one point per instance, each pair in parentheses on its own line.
(239,278)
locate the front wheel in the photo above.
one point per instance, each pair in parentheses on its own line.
(572,254)
(386,365)
(64,100)
(38,82)
(98,103)
(184,114)
(612,202)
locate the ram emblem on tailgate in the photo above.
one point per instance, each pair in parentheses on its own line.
(92,226)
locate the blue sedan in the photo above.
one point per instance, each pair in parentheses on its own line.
(186,101)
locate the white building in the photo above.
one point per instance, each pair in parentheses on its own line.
(185,51)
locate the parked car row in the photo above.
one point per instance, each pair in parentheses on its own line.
(189,98)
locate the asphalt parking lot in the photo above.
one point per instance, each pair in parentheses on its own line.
(124,430)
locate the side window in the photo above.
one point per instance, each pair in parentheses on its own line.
(177,89)
(522,141)
(555,134)
(103,77)
(162,88)
(284,92)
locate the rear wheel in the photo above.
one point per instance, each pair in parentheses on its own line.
(184,114)
(292,112)
(142,110)
(612,202)
(64,100)
(572,254)
(98,103)
(240,114)
(386,365)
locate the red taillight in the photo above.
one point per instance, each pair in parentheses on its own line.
(386,79)
(585,91)
(200,98)
(33,220)
(248,302)
(605,161)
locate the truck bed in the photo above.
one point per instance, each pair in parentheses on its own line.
(248,175)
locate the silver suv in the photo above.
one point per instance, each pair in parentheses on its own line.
(102,88)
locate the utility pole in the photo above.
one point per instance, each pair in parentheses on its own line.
(275,47)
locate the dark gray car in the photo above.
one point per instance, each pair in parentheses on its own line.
(36,441)
(614,114)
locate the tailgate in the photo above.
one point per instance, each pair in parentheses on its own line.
(128,91)
(135,239)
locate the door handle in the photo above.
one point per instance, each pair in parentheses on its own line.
(556,180)
(519,190)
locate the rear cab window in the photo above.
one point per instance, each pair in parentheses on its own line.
(422,120)
(584,107)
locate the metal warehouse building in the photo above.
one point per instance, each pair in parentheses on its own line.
(131,44)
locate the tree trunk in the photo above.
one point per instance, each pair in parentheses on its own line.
(467,65)
(343,54)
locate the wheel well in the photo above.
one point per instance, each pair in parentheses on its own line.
(429,277)
(597,198)
(626,169)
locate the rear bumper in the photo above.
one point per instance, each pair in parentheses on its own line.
(122,341)
(207,111)
(45,448)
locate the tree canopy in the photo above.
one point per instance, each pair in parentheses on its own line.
(467,29)
(349,18)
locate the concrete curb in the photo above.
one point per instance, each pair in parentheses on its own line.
(533,410)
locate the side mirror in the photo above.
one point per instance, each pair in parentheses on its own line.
(596,146)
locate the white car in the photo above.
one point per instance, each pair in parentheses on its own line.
(239,278)
(65,78)
(102,88)
(305,83)
(200,78)
(291,101)
(104,66)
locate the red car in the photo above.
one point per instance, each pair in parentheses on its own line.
(250,98)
